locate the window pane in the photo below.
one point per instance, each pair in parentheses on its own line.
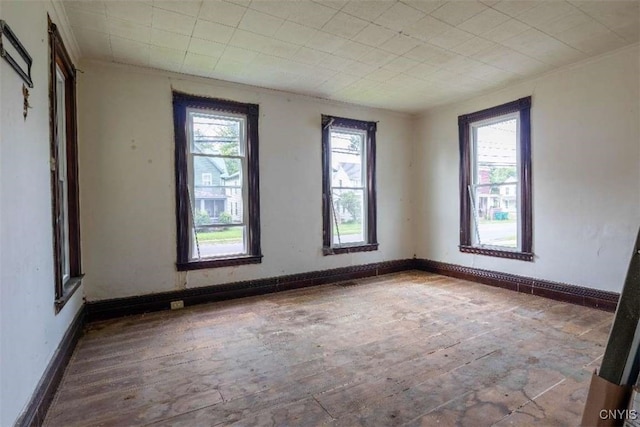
(217,194)
(346,159)
(213,134)
(218,241)
(63,189)
(495,196)
(348,217)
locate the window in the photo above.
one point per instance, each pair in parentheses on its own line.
(349,185)
(495,181)
(217,195)
(64,170)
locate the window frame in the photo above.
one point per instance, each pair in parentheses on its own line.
(181,103)
(369,145)
(60,60)
(522,107)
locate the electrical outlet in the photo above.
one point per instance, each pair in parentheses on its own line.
(176,305)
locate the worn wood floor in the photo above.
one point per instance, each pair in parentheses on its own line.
(412,349)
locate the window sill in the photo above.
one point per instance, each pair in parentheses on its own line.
(522,256)
(70,288)
(349,249)
(219,262)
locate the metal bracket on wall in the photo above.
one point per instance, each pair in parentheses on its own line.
(6,33)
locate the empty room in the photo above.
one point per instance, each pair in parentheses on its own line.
(319,212)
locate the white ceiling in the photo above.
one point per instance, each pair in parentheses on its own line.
(402,55)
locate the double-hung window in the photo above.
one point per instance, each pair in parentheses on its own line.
(495,181)
(349,193)
(64,170)
(217,195)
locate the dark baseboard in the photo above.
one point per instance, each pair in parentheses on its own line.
(46,389)
(588,297)
(107,309)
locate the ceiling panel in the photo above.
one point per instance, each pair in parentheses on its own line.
(405,55)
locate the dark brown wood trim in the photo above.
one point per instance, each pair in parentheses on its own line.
(522,256)
(589,297)
(349,249)
(60,57)
(219,262)
(182,101)
(523,106)
(44,393)
(106,309)
(370,148)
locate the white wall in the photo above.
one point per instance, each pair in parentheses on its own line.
(30,331)
(586,174)
(128,194)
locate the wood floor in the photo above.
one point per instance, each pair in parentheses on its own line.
(412,349)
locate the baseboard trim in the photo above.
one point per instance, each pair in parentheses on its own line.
(107,309)
(118,307)
(579,295)
(45,391)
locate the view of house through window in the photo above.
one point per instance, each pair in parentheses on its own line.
(494,189)
(348,191)
(217,166)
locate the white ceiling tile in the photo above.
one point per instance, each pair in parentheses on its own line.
(309,56)
(138,12)
(451,38)
(333,4)
(212,31)
(422,71)
(361,69)
(280,48)
(426,6)
(88,20)
(295,33)
(401,64)
(592,38)
(545,11)
(489,2)
(456,12)
(272,7)
(222,12)
(87,6)
(227,69)
(129,30)
(399,16)
(337,63)
(485,21)
(185,7)
(399,44)
(506,30)
(378,57)
(248,40)
(344,25)
(427,28)
(507,59)
(158,55)
(374,35)
(237,54)
(169,40)
(310,14)
(470,47)
(381,75)
(514,8)
(630,33)
(206,47)
(94,44)
(615,15)
(244,3)
(368,10)
(172,21)
(261,23)
(129,51)
(325,42)
(352,50)
(198,63)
